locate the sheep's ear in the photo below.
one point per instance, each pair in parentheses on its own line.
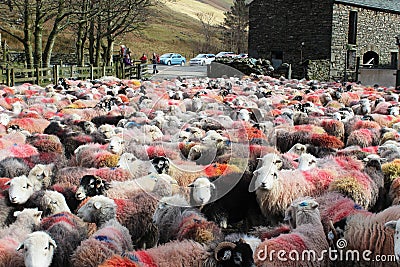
(8,182)
(21,246)
(16,213)
(52,243)
(391,224)
(191,185)
(288,216)
(296,160)
(97,204)
(46,172)
(212,186)
(29,183)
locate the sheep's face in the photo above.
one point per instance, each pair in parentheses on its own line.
(4,119)
(90,186)
(201,190)
(153,132)
(106,130)
(126,160)
(243,115)
(33,216)
(21,189)
(90,212)
(38,249)
(39,172)
(265,178)
(395,225)
(161,164)
(89,127)
(298,149)
(307,162)
(54,203)
(116,145)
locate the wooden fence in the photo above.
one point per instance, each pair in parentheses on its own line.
(40,76)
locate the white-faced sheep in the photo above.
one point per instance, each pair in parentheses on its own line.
(135,166)
(38,249)
(305,214)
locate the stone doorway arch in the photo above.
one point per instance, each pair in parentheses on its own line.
(370,58)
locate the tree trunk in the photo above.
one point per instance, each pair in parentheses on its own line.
(38,35)
(91,42)
(48,50)
(28,36)
(108,51)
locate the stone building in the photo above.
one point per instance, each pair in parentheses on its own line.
(324,38)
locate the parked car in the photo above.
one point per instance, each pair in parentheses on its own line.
(243,55)
(172,59)
(225,54)
(202,59)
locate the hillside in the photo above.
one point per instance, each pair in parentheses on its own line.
(173,27)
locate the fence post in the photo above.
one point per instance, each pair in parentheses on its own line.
(71,71)
(123,71)
(8,79)
(103,71)
(56,69)
(91,72)
(138,71)
(37,75)
(116,66)
(12,77)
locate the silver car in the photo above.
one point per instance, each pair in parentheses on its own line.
(202,59)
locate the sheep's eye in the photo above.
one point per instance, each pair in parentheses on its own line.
(303,204)
(275,176)
(46,248)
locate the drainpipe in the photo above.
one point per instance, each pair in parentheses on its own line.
(398,63)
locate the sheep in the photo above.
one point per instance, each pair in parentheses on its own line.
(305,215)
(367,232)
(12,167)
(41,176)
(48,201)
(20,189)
(136,167)
(237,253)
(26,221)
(174,253)
(14,234)
(38,249)
(135,214)
(91,185)
(394,224)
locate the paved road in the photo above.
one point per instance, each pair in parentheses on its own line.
(171,72)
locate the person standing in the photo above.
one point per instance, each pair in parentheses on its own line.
(143,59)
(154,61)
(127,60)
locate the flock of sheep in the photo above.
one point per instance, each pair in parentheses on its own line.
(205,172)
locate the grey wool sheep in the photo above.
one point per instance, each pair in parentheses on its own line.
(12,167)
(68,231)
(135,214)
(112,238)
(304,214)
(14,234)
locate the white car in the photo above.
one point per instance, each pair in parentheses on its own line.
(225,54)
(202,59)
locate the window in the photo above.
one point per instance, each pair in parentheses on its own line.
(352,38)
(393,59)
(370,59)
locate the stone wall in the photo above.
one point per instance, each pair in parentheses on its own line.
(376,32)
(283,25)
(318,70)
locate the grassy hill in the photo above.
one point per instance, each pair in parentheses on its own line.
(173,27)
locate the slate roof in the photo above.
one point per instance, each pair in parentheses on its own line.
(384,5)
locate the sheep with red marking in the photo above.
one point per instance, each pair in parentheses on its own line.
(305,215)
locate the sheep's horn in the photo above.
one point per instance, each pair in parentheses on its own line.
(222,245)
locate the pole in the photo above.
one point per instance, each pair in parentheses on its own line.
(398,63)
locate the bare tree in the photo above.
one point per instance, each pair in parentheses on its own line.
(207,20)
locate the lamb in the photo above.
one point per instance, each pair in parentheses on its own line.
(48,201)
(305,214)
(135,214)
(41,176)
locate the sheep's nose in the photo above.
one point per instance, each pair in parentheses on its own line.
(13,198)
(111,147)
